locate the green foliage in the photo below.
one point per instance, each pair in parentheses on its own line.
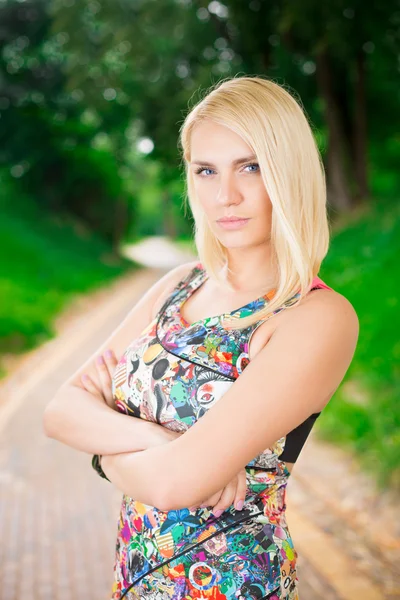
(48,261)
(65,155)
(82,83)
(364,414)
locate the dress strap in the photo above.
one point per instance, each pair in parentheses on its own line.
(188,284)
(180,292)
(318,284)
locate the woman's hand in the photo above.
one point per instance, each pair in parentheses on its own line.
(233,493)
(102,387)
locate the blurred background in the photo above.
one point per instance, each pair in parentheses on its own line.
(92,95)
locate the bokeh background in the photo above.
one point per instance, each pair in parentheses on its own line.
(92,95)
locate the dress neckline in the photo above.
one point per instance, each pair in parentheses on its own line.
(252,306)
(191,288)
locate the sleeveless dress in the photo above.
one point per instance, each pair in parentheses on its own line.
(172,374)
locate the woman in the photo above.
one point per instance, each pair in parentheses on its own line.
(202,343)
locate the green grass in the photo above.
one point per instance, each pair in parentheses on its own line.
(363,264)
(45,262)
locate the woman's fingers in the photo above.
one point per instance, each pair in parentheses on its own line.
(90,386)
(103,369)
(241,489)
(209,501)
(233,493)
(212,500)
(111,361)
(226,498)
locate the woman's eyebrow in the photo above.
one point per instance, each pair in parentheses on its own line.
(237,161)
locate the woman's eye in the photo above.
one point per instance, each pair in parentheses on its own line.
(201,170)
(252,165)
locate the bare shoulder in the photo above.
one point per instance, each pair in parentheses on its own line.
(330,305)
(166,284)
(323,317)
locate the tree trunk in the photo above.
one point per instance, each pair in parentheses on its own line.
(339,196)
(360,129)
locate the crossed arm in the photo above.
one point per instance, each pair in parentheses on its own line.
(294,375)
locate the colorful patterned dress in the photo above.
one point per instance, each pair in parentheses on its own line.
(172,374)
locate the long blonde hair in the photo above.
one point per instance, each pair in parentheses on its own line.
(273,124)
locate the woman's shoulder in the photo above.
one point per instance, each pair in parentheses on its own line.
(325,304)
(313,316)
(325,328)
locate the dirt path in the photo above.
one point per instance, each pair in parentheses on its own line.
(58,518)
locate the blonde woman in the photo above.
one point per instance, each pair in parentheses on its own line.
(225,362)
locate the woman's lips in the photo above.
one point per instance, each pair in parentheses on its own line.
(233,223)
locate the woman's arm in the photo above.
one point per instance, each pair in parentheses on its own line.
(90,425)
(294,375)
(83,420)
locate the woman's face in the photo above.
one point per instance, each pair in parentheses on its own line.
(228,183)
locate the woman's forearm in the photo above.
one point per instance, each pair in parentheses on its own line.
(140,475)
(85,422)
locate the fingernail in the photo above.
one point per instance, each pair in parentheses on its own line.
(218,513)
(108,353)
(239,505)
(85,377)
(100,360)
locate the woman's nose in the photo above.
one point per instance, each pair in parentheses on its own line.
(228,192)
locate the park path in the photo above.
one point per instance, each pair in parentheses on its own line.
(58,519)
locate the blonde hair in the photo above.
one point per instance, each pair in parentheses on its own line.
(273,124)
